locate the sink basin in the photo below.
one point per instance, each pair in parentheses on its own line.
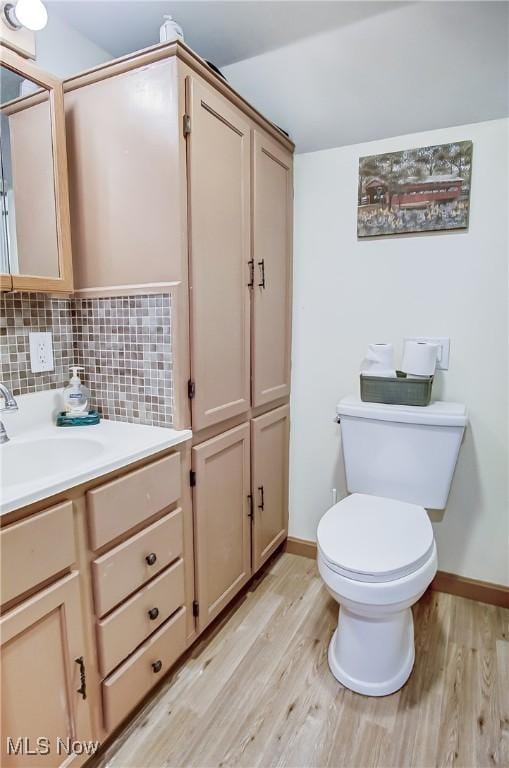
(35,459)
(42,460)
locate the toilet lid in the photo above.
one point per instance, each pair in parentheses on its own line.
(369,538)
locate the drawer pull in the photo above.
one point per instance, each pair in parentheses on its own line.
(83,680)
(157,666)
(153,613)
(151,558)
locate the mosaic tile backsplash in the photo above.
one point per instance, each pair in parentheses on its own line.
(21,313)
(124,344)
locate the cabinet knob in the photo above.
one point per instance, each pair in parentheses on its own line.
(151,558)
(153,613)
(157,666)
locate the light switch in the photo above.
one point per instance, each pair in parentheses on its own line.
(41,352)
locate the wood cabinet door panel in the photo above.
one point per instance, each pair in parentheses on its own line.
(125,171)
(272,254)
(219,247)
(28,555)
(270,438)
(41,639)
(222,523)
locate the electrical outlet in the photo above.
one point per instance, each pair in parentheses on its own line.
(444,347)
(41,352)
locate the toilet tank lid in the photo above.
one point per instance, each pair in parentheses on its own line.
(437,413)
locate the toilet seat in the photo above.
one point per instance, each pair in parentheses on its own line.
(374,539)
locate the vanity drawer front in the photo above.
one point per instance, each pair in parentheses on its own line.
(133,680)
(128,626)
(118,506)
(124,569)
(35,549)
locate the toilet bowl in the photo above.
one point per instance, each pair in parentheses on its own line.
(376,556)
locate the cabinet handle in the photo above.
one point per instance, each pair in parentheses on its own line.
(151,558)
(261,505)
(83,680)
(261,264)
(251,273)
(153,613)
(157,666)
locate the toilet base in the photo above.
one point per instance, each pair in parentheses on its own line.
(373,657)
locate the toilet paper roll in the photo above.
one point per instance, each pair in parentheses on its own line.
(419,358)
(379,360)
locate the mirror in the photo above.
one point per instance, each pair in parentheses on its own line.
(28,238)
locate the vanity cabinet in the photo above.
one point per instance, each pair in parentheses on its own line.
(35,243)
(219,255)
(222,518)
(269,445)
(97,605)
(43,664)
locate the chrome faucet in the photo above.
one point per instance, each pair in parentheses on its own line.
(10,405)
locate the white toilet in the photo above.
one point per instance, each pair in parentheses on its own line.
(376,550)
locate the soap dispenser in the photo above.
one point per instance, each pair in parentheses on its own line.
(76,395)
(170,30)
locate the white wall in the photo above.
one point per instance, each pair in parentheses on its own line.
(350,292)
(414,67)
(63,51)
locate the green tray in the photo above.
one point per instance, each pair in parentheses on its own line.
(398,390)
(65,419)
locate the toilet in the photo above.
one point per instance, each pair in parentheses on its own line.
(376,549)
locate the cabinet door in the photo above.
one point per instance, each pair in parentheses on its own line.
(270,437)
(35,201)
(272,253)
(222,523)
(219,197)
(126,171)
(42,641)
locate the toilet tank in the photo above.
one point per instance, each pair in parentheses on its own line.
(401,452)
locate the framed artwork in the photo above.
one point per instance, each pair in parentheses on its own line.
(416,190)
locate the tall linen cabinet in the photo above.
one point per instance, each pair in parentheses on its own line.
(179,186)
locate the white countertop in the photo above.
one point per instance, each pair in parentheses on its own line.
(41,459)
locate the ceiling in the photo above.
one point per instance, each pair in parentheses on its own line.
(221,31)
(331,73)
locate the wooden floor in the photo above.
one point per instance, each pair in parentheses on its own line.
(258,691)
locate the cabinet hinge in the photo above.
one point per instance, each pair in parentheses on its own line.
(250,502)
(196,608)
(191,389)
(192,478)
(187,124)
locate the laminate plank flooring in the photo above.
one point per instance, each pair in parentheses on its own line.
(257,690)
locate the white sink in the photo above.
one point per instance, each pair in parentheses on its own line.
(34,459)
(42,460)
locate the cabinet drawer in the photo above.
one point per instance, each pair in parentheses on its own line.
(133,680)
(128,626)
(35,549)
(116,507)
(126,567)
